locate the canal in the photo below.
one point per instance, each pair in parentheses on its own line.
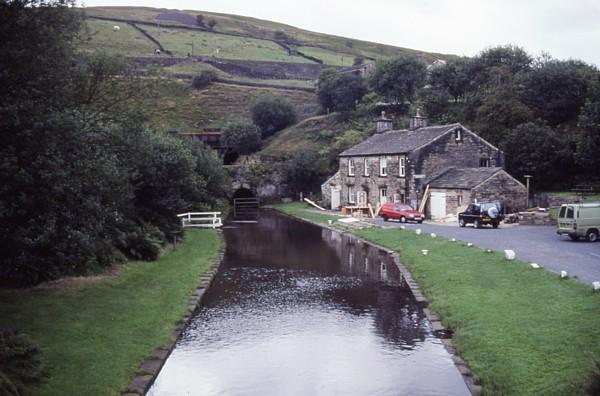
(300,310)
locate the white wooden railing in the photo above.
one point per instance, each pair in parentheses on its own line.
(201,219)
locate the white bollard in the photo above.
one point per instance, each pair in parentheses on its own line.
(534,265)
(424,252)
(453,240)
(418,231)
(433,235)
(596,285)
(509,254)
(403,227)
(563,274)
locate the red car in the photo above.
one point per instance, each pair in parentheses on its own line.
(400,212)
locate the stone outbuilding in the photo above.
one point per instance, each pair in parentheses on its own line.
(399,165)
(452,191)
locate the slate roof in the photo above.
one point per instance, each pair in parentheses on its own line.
(464,178)
(397,142)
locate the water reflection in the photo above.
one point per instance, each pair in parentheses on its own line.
(297,310)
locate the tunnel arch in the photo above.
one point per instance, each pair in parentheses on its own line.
(243,192)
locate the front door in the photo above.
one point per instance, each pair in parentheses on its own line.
(383,195)
(438,205)
(335,198)
(361,199)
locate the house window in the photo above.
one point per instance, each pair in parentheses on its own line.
(401,166)
(382,166)
(366,167)
(458,135)
(383,195)
(484,162)
(351,195)
(350,167)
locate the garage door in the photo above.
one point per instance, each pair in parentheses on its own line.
(438,204)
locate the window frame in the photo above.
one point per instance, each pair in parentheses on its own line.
(366,165)
(351,167)
(382,166)
(351,195)
(402,166)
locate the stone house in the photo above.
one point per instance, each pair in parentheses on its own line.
(398,165)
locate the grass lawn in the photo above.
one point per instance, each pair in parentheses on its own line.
(522,331)
(304,211)
(94,336)
(127,41)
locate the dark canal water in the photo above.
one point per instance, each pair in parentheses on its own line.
(299,310)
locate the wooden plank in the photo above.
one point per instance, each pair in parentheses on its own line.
(312,203)
(424,199)
(371,211)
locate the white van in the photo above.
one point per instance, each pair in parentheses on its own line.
(579,220)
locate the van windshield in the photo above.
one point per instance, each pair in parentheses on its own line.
(569,212)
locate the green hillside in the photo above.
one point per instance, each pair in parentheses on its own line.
(257,37)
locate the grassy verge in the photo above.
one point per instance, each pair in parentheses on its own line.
(303,211)
(522,331)
(94,336)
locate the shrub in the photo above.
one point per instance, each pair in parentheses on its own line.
(20,364)
(272,114)
(204,79)
(243,138)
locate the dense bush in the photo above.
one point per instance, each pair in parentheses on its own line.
(272,114)
(243,138)
(204,79)
(339,92)
(20,364)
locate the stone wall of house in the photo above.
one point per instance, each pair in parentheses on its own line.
(505,188)
(447,152)
(371,185)
(457,200)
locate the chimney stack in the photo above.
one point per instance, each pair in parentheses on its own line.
(384,124)
(418,121)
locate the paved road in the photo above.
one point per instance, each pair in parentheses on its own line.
(539,244)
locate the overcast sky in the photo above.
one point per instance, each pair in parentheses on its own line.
(564,28)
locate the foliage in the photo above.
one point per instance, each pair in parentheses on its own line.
(588,149)
(271,114)
(358,60)
(558,89)
(535,148)
(243,138)
(301,171)
(84,182)
(200,20)
(94,332)
(211,23)
(204,79)
(397,80)
(21,365)
(339,92)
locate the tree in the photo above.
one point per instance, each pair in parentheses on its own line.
(271,114)
(588,147)
(200,20)
(398,79)
(558,89)
(492,66)
(243,138)
(339,92)
(301,171)
(211,23)
(536,149)
(204,79)
(358,60)
(451,78)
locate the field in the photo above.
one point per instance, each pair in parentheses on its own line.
(127,41)
(330,47)
(176,106)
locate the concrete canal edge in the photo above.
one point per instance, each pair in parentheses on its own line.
(149,369)
(445,335)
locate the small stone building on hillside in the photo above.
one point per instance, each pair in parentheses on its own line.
(398,165)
